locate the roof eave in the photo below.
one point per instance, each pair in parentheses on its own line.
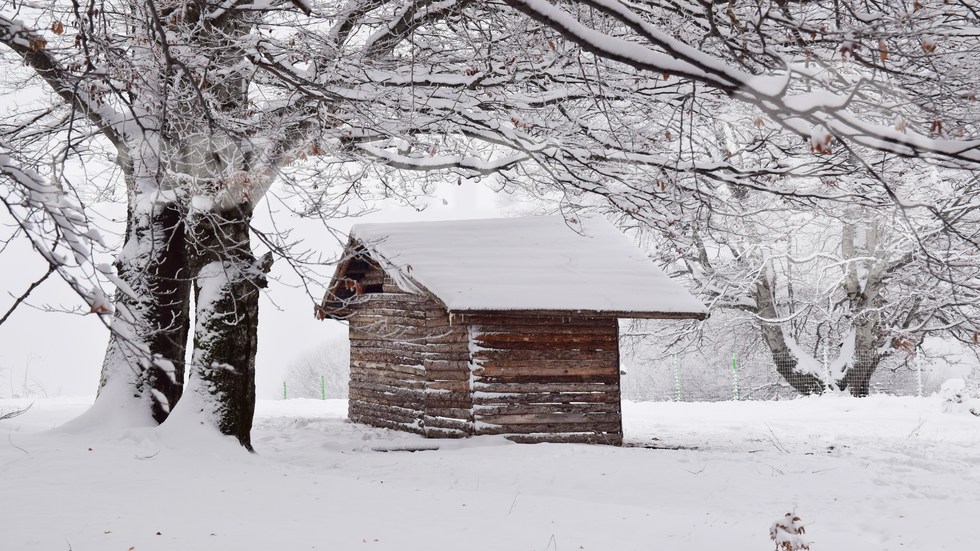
(582,313)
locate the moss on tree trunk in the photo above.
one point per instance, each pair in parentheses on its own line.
(228,279)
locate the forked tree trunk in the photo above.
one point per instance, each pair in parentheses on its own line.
(227,283)
(866,357)
(145,357)
(864,279)
(785,359)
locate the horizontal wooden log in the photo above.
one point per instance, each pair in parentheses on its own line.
(446,400)
(482,398)
(461,425)
(485,386)
(394,389)
(410,348)
(459,356)
(465,414)
(553,428)
(525,379)
(431,364)
(548,418)
(405,349)
(396,334)
(608,438)
(604,329)
(458,386)
(583,339)
(532,356)
(385,423)
(389,400)
(386,392)
(398,300)
(436,432)
(486,410)
(520,347)
(381,324)
(418,370)
(513,318)
(383,385)
(391,316)
(418,340)
(386,386)
(389,335)
(380,384)
(365,355)
(492,370)
(388,372)
(517,366)
(449,335)
(515,361)
(391,413)
(447,376)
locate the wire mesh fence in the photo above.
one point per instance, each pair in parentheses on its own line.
(713,373)
(730,375)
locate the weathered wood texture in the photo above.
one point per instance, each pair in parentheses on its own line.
(546,378)
(532,378)
(409,367)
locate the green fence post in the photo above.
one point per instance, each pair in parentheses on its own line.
(284,390)
(323,387)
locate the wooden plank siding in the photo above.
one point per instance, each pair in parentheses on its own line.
(546,378)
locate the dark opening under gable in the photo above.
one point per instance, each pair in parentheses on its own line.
(357,274)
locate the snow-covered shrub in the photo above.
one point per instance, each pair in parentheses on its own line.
(953,391)
(788,534)
(959,397)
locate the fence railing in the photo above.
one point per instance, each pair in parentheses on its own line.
(732,376)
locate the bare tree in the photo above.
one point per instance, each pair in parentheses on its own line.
(205,104)
(845,285)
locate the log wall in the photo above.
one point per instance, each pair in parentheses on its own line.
(531,378)
(409,367)
(546,378)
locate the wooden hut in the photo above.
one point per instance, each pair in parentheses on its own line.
(502,326)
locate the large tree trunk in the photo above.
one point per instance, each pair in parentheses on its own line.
(144,361)
(866,356)
(227,283)
(786,360)
(863,282)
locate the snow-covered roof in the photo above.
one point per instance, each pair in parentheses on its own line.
(532,263)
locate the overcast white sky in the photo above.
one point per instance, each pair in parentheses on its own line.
(60,354)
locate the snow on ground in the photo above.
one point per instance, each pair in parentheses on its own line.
(876,474)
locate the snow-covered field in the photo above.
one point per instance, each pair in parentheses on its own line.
(881,473)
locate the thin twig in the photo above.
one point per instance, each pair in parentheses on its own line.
(23,297)
(11,441)
(15,413)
